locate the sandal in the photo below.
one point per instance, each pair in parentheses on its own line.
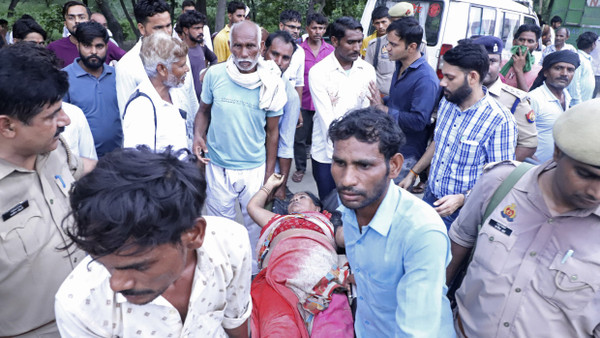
(298,175)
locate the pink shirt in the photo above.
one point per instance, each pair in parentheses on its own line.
(511,77)
(309,61)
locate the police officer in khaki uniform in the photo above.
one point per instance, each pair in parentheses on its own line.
(512,98)
(36,173)
(536,268)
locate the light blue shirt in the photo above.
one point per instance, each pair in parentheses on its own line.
(399,264)
(288,122)
(583,83)
(236,136)
(547,109)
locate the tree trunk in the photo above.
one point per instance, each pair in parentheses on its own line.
(131,24)
(173,10)
(85,2)
(220,17)
(11,8)
(112,22)
(201,6)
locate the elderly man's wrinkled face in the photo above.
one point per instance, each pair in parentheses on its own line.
(559,75)
(245,47)
(177,73)
(561,37)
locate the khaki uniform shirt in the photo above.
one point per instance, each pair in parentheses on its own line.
(523,113)
(33,204)
(385,67)
(522,281)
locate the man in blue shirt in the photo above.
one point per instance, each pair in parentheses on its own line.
(413,89)
(396,244)
(92,87)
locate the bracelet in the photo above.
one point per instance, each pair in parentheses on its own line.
(267,190)
(414,173)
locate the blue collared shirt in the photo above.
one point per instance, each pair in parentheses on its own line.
(467,140)
(97,97)
(399,263)
(411,101)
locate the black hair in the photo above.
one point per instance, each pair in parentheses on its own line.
(379,12)
(25,25)
(407,29)
(369,125)
(29,80)
(188,3)
(144,9)
(135,198)
(87,31)
(191,18)
(468,57)
(283,35)
(316,201)
(586,40)
(70,4)
(234,6)
(341,25)
(565,29)
(290,15)
(555,18)
(3,22)
(319,18)
(528,27)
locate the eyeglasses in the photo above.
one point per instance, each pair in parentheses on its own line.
(294,27)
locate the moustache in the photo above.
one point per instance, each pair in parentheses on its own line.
(59,130)
(351,190)
(131,292)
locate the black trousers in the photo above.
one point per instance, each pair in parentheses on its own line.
(303,138)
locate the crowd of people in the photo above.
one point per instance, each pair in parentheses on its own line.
(122,174)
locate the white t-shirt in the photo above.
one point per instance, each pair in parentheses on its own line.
(295,72)
(220,299)
(78,134)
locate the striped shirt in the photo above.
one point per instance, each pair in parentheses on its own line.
(467,140)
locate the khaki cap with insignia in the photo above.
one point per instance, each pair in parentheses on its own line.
(576,132)
(402,9)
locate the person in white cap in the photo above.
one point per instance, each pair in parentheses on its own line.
(535,271)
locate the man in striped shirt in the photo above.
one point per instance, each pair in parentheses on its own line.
(473,129)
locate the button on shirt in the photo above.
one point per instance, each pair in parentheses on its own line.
(138,121)
(220,296)
(31,269)
(97,97)
(547,109)
(335,91)
(519,283)
(309,62)
(467,140)
(411,101)
(399,264)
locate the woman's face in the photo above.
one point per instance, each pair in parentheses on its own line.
(301,202)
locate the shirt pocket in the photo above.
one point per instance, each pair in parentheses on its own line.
(571,285)
(21,235)
(382,296)
(493,248)
(468,151)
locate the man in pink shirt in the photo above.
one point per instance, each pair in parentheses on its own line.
(521,69)
(315,50)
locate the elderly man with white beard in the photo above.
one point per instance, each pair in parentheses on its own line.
(151,116)
(243,99)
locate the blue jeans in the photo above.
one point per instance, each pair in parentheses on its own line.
(429,198)
(323,178)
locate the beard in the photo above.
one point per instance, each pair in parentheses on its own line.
(174,82)
(93,61)
(253,62)
(460,94)
(199,39)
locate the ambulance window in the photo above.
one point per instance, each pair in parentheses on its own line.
(429,15)
(510,24)
(482,21)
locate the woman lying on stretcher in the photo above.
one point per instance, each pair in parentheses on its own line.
(293,295)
